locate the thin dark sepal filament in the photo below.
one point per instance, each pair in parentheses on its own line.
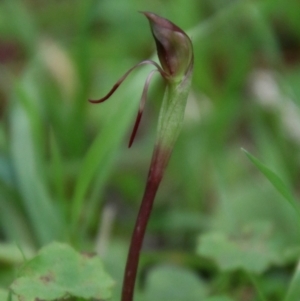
(158,165)
(141,108)
(120,81)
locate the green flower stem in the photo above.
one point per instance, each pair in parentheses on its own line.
(172,111)
(169,126)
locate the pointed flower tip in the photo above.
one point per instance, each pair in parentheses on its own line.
(174,47)
(160,21)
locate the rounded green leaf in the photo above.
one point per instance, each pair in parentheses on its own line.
(173,283)
(58,271)
(253,250)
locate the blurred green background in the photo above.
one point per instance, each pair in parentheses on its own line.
(66,173)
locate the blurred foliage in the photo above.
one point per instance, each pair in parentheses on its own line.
(65,171)
(59,272)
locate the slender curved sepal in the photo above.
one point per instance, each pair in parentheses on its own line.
(141,108)
(120,81)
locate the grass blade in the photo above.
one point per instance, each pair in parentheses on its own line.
(293,292)
(275,180)
(45,219)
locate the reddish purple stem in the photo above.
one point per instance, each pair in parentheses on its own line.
(158,165)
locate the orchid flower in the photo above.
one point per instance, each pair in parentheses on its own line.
(175,53)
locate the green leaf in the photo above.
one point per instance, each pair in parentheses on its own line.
(275,180)
(26,153)
(3,295)
(252,250)
(293,292)
(58,271)
(173,283)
